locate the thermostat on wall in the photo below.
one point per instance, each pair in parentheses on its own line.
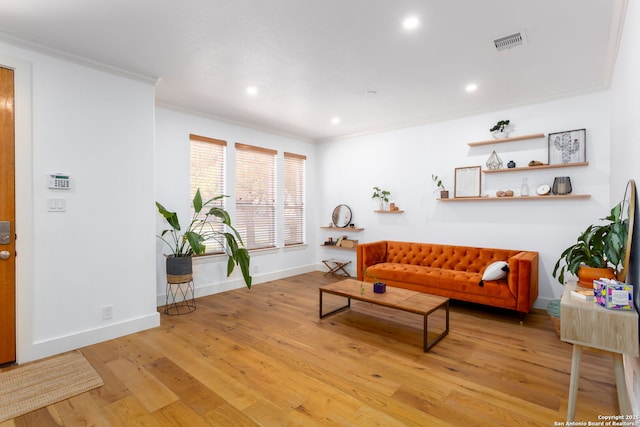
(59,181)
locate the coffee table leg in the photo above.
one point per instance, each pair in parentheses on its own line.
(425,341)
(426,344)
(322,316)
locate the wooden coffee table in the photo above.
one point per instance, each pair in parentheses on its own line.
(398,298)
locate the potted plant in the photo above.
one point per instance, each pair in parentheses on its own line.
(378,286)
(502,129)
(200,230)
(382,196)
(600,247)
(444,193)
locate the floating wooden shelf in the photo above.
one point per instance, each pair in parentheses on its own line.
(393,212)
(550,197)
(343,228)
(339,247)
(513,138)
(530,168)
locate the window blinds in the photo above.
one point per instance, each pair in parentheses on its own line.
(256,196)
(207,173)
(294,175)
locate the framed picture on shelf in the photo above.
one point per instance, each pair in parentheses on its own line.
(467,181)
(567,147)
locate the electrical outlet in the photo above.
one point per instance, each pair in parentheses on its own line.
(107,312)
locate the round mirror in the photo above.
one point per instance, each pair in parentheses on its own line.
(341,216)
(627,214)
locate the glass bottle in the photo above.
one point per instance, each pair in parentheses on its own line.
(524,190)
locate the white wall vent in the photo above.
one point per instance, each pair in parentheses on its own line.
(507,42)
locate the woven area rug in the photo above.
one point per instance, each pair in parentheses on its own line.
(34,385)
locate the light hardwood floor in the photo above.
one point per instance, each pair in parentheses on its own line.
(263,357)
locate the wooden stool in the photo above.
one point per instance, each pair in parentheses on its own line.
(335,266)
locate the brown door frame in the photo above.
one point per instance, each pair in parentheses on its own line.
(27,348)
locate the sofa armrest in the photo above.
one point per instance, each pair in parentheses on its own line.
(523,279)
(369,254)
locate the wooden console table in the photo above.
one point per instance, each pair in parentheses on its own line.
(586,324)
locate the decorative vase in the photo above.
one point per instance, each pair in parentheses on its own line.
(586,275)
(524,190)
(444,194)
(502,133)
(498,135)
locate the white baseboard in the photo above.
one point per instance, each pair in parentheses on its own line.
(65,343)
(202,290)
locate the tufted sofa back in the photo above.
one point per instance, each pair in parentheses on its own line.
(459,258)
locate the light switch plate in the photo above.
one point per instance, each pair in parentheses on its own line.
(56,205)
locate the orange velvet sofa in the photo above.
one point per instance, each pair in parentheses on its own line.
(455,272)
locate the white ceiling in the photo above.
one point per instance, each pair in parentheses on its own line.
(312,60)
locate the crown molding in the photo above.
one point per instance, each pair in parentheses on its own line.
(23,43)
(245,124)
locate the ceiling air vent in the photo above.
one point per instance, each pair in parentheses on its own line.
(506,42)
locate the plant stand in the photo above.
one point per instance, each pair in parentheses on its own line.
(179,296)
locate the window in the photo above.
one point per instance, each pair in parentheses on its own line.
(294,198)
(207,174)
(256,196)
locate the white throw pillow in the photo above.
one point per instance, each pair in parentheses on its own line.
(495,271)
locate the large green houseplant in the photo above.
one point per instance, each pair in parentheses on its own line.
(600,246)
(205,228)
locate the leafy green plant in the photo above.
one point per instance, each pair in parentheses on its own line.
(366,273)
(500,126)
(437,182)
(380,194)
(599,246)
(202,229)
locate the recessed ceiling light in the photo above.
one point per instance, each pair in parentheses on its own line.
(471,87)
(370,93)
(252,90)
(411,23)
(335,120)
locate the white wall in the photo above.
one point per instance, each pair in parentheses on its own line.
(172,190)
(625,149)
(98,128)
(403,161)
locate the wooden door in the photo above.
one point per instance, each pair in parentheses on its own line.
(7,219)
